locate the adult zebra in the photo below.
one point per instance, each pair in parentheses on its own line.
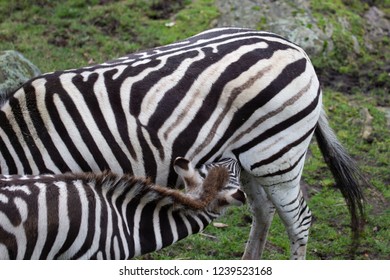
(228,92)
(109,216)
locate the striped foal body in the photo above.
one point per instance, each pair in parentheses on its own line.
(224,93)
(107,216)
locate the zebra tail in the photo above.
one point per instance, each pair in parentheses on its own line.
(348,177)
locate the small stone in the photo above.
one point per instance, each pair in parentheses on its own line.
(15,70)
(220,225)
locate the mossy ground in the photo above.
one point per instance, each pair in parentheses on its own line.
(351,64)
(69,34)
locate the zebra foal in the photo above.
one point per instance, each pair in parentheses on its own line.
(107,216)
(224,93)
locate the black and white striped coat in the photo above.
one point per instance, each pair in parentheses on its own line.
(224,93)
(109,216)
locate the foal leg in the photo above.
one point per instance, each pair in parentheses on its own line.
(295,214)
(262,213)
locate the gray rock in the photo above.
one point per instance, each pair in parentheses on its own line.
(15,69)
(377,27)
(291,19)
(245,13)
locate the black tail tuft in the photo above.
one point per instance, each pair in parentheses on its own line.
(347,175)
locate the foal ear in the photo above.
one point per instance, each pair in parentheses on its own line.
(187,172)
(181,165)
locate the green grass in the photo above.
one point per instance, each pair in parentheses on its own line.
(68,34)
(58,35)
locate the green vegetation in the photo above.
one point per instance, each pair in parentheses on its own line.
(349,54)
(68,34)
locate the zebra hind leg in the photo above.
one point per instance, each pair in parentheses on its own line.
(262,212)
(295,214)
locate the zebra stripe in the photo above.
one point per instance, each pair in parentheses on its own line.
(149,107)
(224,93)
(107,216)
